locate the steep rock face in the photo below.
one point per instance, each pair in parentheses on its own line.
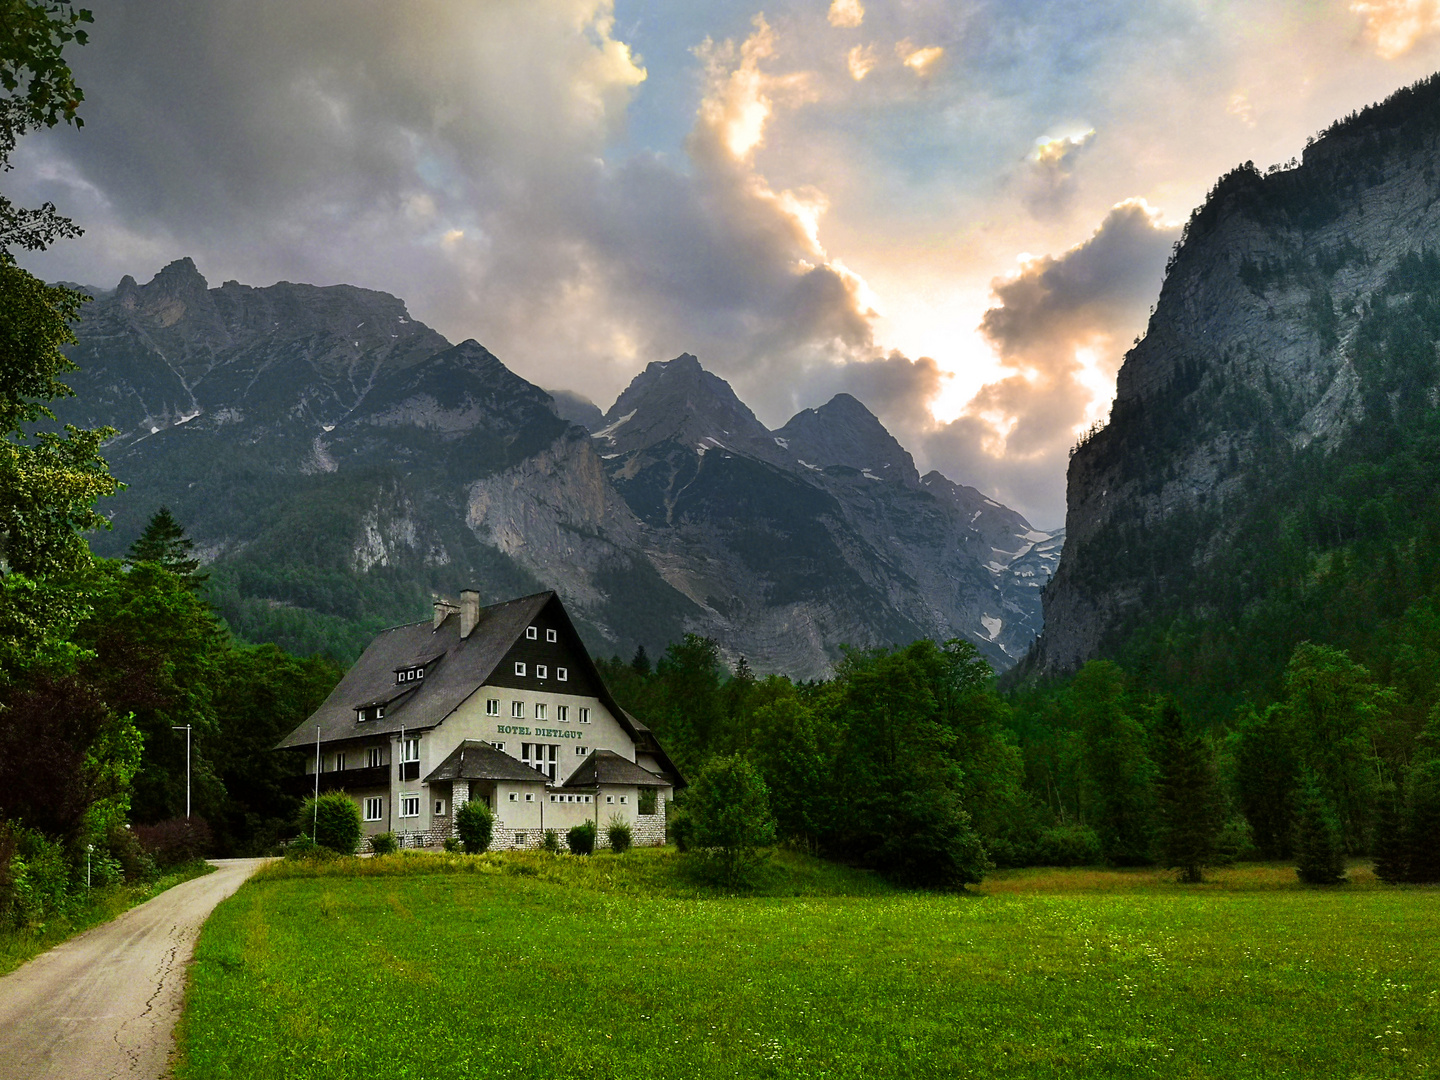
(1250,349)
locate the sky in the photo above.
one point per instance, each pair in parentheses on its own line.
(957,211)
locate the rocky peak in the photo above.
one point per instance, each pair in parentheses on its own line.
(679,401)
(844,432)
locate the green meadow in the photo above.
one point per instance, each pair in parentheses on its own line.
(527,965)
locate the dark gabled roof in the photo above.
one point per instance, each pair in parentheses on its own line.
(475,760)
(646,743)
(455,668)
(608,767)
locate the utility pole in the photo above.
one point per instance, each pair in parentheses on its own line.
(185,728)
(315,805)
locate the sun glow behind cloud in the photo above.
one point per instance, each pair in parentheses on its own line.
(1395,26)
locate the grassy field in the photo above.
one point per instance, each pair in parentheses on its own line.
(537,966)
(19,945)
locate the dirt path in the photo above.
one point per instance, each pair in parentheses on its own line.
(104,1004)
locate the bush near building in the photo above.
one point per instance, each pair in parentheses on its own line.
(335,820)
(475,825)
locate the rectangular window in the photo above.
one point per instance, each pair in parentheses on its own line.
(550,636)
(520,839)
(520,668)
(584,715)
(492,706)
(517,710)
(374,808)
(439,807)
(410,751)
(540,710)
(532,633)
(587,798)
(514,797)
(372,757)
(609,798)
(340,762)
(624,798)
(579,751)
(529,796)
(563,674)
(543,757)
(498,745)
(409,805)
(562,714)
(541,671)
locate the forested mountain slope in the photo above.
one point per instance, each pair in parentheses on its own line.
(1271,469)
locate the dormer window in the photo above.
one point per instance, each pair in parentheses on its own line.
(409,675)
(532,633)
(369,712)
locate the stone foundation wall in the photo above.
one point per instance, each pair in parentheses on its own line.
(648,830)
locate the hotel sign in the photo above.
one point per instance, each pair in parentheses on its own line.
(544,733)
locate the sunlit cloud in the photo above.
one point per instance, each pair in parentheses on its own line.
(847,14)
(861,60)
(1239,106)
(918,60)
(1394,27)
(1051,183)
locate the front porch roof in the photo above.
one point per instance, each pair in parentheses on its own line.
(608,767)
(475,760)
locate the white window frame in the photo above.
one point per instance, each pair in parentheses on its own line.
(519,669)
(529,796)
(514,797)
(609,798)
(439,808)
(373,757)
(498,745)
(492,706)
(551,636)
(540,710)
(624,799)
(541,671)
(339,760)
(374,807)
(409,751)
(579,751)
(562,714)
(517,710)
(409,806)
(532,633)
(562,674)
(584,715)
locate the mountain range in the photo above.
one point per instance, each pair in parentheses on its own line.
(337,462)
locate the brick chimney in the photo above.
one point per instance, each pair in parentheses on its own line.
(443,610)
(469,611)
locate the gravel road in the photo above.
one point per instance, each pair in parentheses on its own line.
(104,1004)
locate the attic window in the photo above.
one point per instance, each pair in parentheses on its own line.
(369,712)
(407,675)
(550,636)
(520,668)
(563,674)
(532,633)
(541,671)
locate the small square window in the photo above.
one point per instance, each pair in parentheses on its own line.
(541,671)
(514,797)
(563,674)
(540,710)
(624,799)
(492,706)
(550,636)
(520,668)
(532,633)
(439,807)
(529,796)
(498,745)
(579,751)
(553,798)
(420,673)
(609,798)
(519,838)
(587,798)
(517,710)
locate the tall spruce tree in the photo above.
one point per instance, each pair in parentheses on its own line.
(1388,845)
(1119,795)
(1319,851)
(1267,776)
(1422,822)
(1188,798)
(164,542)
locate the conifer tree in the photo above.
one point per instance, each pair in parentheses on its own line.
(1390,842)
(1422,822)
(1188,797)
(164,542)
(1319,853)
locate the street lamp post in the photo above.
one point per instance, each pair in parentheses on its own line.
(185,728)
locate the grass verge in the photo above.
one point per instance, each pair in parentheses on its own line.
(536,966)
(102,905)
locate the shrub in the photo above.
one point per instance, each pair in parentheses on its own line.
(35,879)
(551,842)
(677,827)
(617,831)
(475,825)
(581,839)
(729,811)
(302,847)
(176,841)
(385,843)
(125,847)
(648,800)
(336,819)
(1069,845)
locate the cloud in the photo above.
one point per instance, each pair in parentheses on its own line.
(1393,27)
(846,14)
(919,60)
(1061,325)
(1050,182)
(861,60)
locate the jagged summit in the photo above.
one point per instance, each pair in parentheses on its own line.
(844,432)
(679,401)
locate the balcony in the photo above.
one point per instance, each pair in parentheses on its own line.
(349,779)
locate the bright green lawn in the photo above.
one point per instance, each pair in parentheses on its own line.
(536,966)
(103,904)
